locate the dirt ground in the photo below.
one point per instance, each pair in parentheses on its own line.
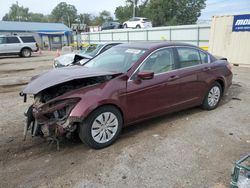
(192,148)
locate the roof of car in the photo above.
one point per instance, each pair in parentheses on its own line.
(151,45)
(105,43)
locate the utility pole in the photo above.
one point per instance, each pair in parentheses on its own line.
(17,11)
(134,8)
(68,20)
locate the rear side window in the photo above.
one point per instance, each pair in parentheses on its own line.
(11,40)
(188,57)
(2,40)
(145,20)
(204,57)
(28,39)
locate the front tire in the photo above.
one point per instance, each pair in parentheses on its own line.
(213,97)
(102,127)
(125,26)
(138,27)
(26,52)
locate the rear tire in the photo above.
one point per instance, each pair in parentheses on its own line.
(138,27)
(213,97)
(26,52)
(101,128)
(125,26)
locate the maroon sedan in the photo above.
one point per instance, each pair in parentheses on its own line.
(124,85)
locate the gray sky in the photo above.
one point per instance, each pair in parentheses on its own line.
(214,7)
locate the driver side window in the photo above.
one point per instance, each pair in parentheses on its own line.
(159,62)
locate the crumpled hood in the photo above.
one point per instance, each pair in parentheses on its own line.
(58,76)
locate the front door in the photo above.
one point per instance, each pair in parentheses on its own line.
(3,45)
(147,98)
(13,45)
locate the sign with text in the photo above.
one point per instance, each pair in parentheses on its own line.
(241,23)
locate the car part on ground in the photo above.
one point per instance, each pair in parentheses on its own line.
(18,45)
(124,85)
(241,173)
(137,22)
(86,54)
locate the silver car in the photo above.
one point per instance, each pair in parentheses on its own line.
(84,55)
(18,45)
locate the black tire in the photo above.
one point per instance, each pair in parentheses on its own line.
(26,52)
(138,27)
(125,26)
(85,128)
(206,105)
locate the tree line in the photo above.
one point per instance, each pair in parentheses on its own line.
(62,13)
(161,12)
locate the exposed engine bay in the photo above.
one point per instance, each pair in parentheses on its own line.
(49,118)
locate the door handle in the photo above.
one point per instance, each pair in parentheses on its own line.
(206,69)
(172,78)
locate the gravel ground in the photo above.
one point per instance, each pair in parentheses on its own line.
(191,148)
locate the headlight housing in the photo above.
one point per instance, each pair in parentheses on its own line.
(57,110)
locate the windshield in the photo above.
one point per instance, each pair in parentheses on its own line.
(92,50)
(119,59)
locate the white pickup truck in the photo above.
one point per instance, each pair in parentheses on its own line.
(18,45)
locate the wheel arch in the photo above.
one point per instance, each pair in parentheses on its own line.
(222,83)
(25,47)
(108,104)
(83,110)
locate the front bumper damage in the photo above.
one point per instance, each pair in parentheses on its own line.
(52,120)
(55,112)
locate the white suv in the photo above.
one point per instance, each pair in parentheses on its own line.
(18,45)
(137,22)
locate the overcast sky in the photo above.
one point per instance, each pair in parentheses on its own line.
(214,7)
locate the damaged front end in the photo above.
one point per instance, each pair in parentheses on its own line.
(51,120)
(49,115)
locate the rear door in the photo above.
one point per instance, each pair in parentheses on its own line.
(194,71)
(134,22)
(30,42)
(13,45)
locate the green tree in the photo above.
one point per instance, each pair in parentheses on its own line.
(38,17)
(17,13)
(64,13)
(123,13)
(163,12)
(85,18)
(104,16)
(174,12)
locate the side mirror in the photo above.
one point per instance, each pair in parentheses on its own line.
(145,75)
